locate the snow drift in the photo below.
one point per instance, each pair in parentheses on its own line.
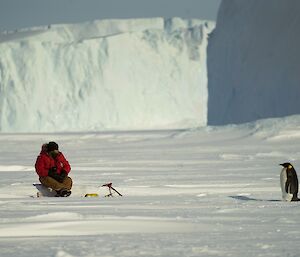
(253,61)
(104,75)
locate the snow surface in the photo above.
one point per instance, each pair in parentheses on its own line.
(253,61)
(213,191)
(105,75)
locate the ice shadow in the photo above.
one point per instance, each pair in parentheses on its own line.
(246,78)
(246,198)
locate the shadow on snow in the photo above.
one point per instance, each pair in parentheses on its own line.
(246,198)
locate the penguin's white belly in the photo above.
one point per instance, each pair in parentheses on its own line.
(286,196)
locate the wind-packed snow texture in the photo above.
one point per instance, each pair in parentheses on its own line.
(213,191)
(104,75)
(253,61)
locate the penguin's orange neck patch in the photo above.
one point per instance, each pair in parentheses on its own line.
(290,166)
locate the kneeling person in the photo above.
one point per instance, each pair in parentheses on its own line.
(53,169)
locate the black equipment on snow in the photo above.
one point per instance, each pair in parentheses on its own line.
(110,187)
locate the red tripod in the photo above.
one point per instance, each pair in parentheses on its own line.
(109,185)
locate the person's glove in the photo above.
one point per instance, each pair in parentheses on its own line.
(53,174)
(63,174)
(58,177)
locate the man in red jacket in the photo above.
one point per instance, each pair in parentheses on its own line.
(53,169)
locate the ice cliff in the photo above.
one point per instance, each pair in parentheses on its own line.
(104,75)
(254,61)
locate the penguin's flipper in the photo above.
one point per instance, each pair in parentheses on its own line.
(290,187)
(293,188)
(287,187)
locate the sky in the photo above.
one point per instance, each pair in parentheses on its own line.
(16,14)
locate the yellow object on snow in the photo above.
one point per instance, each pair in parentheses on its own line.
(91,195)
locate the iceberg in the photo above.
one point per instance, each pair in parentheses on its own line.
(105,75)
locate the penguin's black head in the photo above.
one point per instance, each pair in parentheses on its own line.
(286,165)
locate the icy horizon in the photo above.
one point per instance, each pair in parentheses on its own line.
(156,73)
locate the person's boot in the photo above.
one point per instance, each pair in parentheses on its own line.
(63,192)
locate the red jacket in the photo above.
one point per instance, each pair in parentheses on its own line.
(44,162)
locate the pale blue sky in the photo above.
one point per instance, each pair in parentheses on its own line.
(16,14)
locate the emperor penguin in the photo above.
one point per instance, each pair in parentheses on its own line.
(289,182)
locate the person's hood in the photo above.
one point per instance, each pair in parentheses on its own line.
(44,148)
